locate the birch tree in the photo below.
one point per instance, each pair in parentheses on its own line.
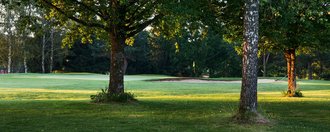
(248,105)
(8,29)
(51,57)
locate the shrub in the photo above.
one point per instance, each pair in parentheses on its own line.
(58,71)
(105,97)
(292,93)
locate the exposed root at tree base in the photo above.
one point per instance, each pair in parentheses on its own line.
(251,118)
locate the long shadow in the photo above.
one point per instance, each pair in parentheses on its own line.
(155,115)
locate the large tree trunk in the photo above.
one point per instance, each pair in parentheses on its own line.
(116,85)
(248,99)
(290,56)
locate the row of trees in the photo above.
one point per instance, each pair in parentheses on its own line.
(29,42)
(189,37)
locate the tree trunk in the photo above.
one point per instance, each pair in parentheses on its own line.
(290,56)
(248,99)
(116,85)
(310,71)
(321,68)
(265,61)
(25,63)
(8,26)
(125,64)
(9,53)
(24,56)
(43,53)
(51,59)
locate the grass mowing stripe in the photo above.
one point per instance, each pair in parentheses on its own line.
(29,102)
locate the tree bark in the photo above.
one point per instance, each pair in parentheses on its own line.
(24,56)
(116,85)
(310,71)
(321,68)
(125,64)
(290,56)
(25,63)
(51,58)
(8,26)
(9,53)
(248,99)
(43,53)
(265,61)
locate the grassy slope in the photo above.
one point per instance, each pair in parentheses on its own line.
(60,102)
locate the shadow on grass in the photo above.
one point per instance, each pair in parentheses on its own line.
(149,115)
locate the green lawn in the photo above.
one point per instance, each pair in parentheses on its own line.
(60,102)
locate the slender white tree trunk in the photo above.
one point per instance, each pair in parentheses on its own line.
(24,54)
(25,63)
(8,26)
(264,63)
(9,54)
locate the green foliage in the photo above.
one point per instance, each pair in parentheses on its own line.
(105,97)
(295,23)
(292,93)
(84,19)
(87,57)
(325,75)
(188,54)
(138,55)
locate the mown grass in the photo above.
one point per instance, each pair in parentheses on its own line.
(60,102)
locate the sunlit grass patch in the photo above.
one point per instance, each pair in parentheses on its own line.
(60,102)
(42,94)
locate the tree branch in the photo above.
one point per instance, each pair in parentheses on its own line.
(137,9)
(138,28)
(104,17)
(89,24)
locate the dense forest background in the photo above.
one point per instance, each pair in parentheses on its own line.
(38,44)
(152,54)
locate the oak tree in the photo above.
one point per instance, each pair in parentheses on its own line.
(113,20)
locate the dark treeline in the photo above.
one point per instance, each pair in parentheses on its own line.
(156,54)
(195,45)
(152,54)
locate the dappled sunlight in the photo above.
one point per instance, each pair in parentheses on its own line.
(314,83)
(54,94)
(318,96)
(191,98)
(169,106)
(43,94)
(37,90)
